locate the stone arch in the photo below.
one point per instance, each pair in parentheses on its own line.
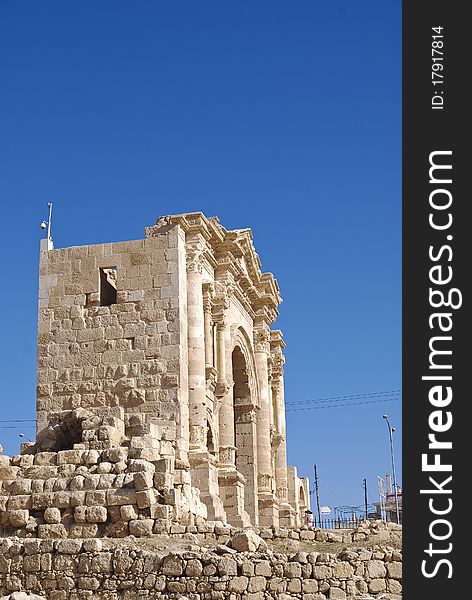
(242,340)
(245,405)
(302,499)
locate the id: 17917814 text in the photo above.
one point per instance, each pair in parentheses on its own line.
(437,67)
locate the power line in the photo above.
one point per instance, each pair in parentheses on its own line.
(340,405)
(17,420)
(346,397)
(16,427)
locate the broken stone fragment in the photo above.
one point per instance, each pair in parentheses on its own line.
(247,541)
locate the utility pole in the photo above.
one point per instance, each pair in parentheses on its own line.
(365,498)
(391,430)
(317,492)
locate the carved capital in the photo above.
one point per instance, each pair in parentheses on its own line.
(208,293)
(282,493)
(197,439)
(195,248)
(244,414)
(264,482)
(221,303)
(262,339)
(277,439)
(227,456)
(223,387)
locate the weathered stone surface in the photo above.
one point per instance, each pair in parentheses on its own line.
(375,569)
(246,541)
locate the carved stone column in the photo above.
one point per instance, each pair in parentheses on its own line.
(196,344)
(268,508)
(203,465)
(207,320)
(287,514)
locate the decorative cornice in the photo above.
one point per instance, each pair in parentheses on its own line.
(232,256)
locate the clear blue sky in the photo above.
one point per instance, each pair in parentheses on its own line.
(280,116)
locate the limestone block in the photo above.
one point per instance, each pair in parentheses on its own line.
(227,566)
(19,502)
(7,472)
(149,454)
(141,528)
(309,586)
(94,546)
(45,458)
(80,513)
(72,457)
(375,569)
(55,530)
(20,486)
(322,572)
(77,483)
(161,511)
(394,586)
(138,465)
(238,585)
(263,568)
(165,465)
(143,480)
(96,514)
(52,515)
(77,498)
(128,512)
(394,570)
(41,501)
(257,584)
(118,497)
(163,481)
(91,457)
(292,569)
(104,467)
(166,448)
(336,593)
(18,518)
(95,498)
(343,570)
(91,481)
(194,568)
(172,565)
(146,498)
(377,585)
(106,481)
(294,586)
(86,530)
(115,455)
(246,541)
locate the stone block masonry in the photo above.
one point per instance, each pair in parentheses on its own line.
(174,328)
(103,570)
(98,488)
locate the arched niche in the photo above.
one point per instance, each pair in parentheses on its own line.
(244,408)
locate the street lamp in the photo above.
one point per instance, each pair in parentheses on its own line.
(392,455)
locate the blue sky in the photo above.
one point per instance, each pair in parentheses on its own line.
(280,116)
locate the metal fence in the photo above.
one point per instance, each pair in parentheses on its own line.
(338,523)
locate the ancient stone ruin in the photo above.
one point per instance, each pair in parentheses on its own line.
(160,391)
(159,468)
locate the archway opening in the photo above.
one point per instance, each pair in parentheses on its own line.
(244,429)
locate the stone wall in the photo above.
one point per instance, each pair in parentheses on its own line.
(98,488)
(78,569)
(126,354)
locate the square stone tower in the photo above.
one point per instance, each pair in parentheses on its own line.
(172,332)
